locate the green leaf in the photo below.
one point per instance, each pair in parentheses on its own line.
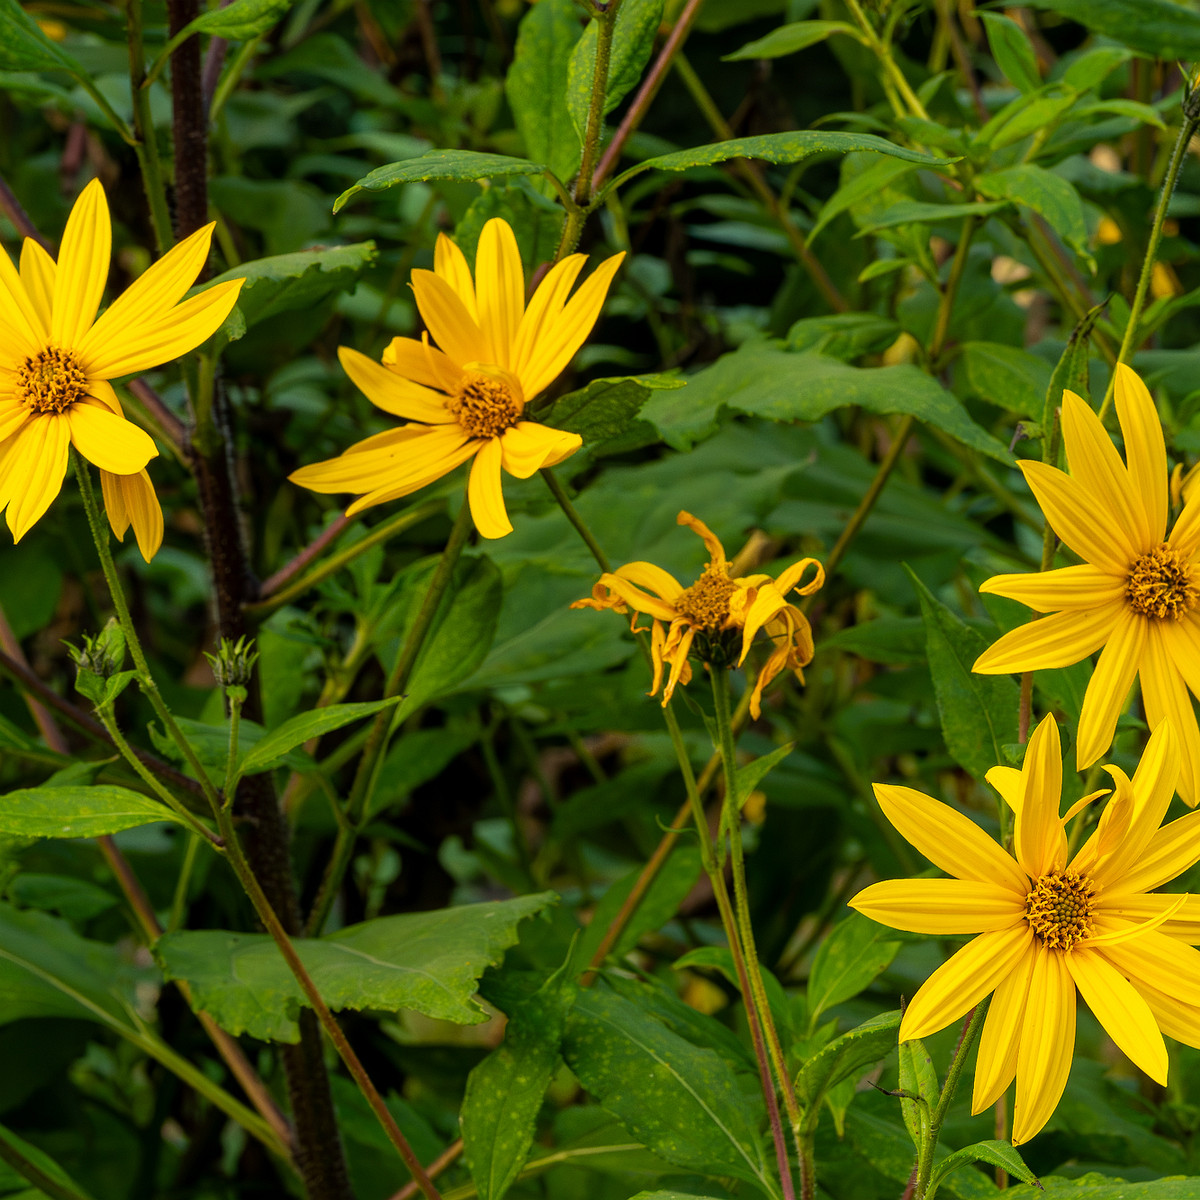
(911,212)
(676,1196)
(1005,375)
(919,1079)
(632,40)
(463,165)
(1047,194)
(764,381)
(788,39)
(748,777)
(74,812)
(849,959)
(882,640)
(1160,28)
(996,1154)
(864,185)
(847,1057)
(240,20)
(718,958)
(846,336)
(38,1168)
(428,961)
(1013,51)
(24,47)
(606,408)
(537,82)
(681,1101)
(504,1092)
(270,750)
(978,712)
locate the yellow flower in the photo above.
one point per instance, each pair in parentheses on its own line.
(465,399)
(1135,594)
(1048,927)
(57,356)
(718,615)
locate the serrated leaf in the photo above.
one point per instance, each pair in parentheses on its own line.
(996,1154)
(428,961)
(462,165)
(274,745)
(1047,194)
(788,39)
(848,960)
(606,407)
(847,1057)
(75,812)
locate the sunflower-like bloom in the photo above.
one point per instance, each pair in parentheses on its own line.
(1049,927)
(57,356)
(717,617)
(1135,594)
(465,398)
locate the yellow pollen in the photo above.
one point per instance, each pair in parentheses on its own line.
(485,405)
(1162,584)
(51,381)
(1059,909)
(706,603)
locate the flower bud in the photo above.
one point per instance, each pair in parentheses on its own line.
(233,663)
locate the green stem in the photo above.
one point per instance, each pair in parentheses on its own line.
(946,307)
(883,52)
(236,697)
(606,23)
(180,898)
(572,515)
(144,142)
(1128,342)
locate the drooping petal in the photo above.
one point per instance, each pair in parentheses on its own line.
(1145,449)
(450,264)
(1095,463)
(712,543)
(948,838)
(1071,510)
(561,336)
(959,984)
(114,503)
(1010,783)
(392,392)
(40,462)
(767,602)
(791,576)
(125,350)
(1165,696)
(1109,687)
(108,441)
(422,363)
(943,906)
(1055,641)
(1040,842)
(1140,907)
(83,260)
(647,575)
(449,322)
(614,590)
(38,272)
(528,447)
(996,1064)
(1047,1042)
(144,512)
(1081,587)
(499,290)
(545,307)
(485,495)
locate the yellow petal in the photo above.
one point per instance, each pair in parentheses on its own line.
(1077,516)
(1095,463)
(647,575)
(422,363)
(144,511)
(767,602)
(1171,851)
(1185,536)
(450,324)
(499,290)
(391,392)
(12,417)
(1047,1042)
(948,839)
(562,335)
(1078,587)
(1055,641)
(544,309)
(83,260)
(996,1064)
(712,543)
(1040,842)
(40,453)
(414,481)
(1154,958)
(485,495)
(37,274)
(1010,783)
(450,264)
(1165,696)
(22,331)
(1175,1017)
(386,460)
(114,503)
(1108,689)
(1145,450)
(162,337)
(102,390)
(791,576)
(528,446)
(944,906)
(959,984)
(110,442)
(1183,924)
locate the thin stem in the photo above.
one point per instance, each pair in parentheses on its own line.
(447,1158)
(605,17)
(886,61)
(145,144)
(1128,342)
(946,307)
(179,900)
(236,697)
(572,515)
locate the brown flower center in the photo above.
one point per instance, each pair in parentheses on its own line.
(486,403)
(51,381)
(1161,584)
(706,603)
(1059,909)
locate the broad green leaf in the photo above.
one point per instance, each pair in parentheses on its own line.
(1013,51)
(427,961)
(882,640)
(1070,1189)
(748,777)
(537,82)
(505,1091)
(676,1196)
(1047,194)
(240,20)
(681,1101)
(1093,67)
(762,380)
(788,39)
(38,1167)
(997,1154)
(606,408)
(912,212)
(846,336)
(849,959)
(463,165)
(859,187)
(846,1058)
(74,812)
(978,712)
(24,47)
(1005,375)
(269,751)
(1033,114)
(920,1081)
(633,39)
(1159,28)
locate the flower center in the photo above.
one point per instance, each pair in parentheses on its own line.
(706,603)
(1059,909)
(486,403)
(51,381)
(1161,584)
